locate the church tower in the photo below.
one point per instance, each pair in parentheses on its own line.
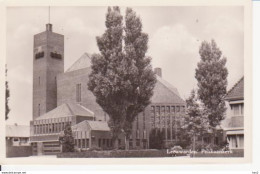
(48,62)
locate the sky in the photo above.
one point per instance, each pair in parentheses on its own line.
(175,34)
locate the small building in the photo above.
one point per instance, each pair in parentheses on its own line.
(17,140)
(46,129)
(234,122)
(88,134)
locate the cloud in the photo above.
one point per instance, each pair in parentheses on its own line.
(175,49)
(77,25)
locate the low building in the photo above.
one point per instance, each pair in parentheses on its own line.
(46,129)
(18,140)
(234,122)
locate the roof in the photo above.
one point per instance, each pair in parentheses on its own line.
(65,110)
(237,91)
(17,131)
(164,92)
(93,125)
(83,62)
(168,85)
(99,125)
(168,95)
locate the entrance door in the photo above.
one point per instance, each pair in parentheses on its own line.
(39,148)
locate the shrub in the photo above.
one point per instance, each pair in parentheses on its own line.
(95,148)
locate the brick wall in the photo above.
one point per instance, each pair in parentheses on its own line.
(67,91)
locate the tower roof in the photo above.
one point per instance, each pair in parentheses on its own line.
(65,110)
(237,91)
(83,62)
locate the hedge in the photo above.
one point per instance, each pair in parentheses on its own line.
(116,154)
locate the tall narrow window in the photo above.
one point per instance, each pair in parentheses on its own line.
(143,120)
(78,92)
(153,116)
(39,109)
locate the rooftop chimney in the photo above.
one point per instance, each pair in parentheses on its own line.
(158,71)
(48,27)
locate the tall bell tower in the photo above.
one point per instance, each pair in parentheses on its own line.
(48,62)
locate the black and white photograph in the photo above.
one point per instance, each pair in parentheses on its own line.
(126,82)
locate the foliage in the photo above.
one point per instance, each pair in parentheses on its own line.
(196,123)
(95,148)
(122,78)
(67,140)
(7,95)
(156,139)
(139,70)
(211,75)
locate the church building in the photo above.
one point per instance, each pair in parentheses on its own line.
(62,97)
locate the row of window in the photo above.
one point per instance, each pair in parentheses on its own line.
(50,128)
(82,143)
(164,116)
(52,54)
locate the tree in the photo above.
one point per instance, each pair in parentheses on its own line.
(67,140)
(196,122)
(156,138)
(7,95)
(139,70)
(122,79)
(211,75)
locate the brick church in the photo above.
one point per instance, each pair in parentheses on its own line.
(62,97)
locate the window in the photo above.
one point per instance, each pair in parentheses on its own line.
(87,142)
(157,117)
(83,143)
(143,120)
(235,109)
(137,142)
(107,142)
(78,92)
(242,109)
(173,109)
(153,117)
(163,116)
(99,142)
(177,108)
(56,55)
(137,124)
(39,55)
(39,109)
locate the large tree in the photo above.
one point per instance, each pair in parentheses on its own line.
(139,70)
(211,75)
(7,95)
(122,78)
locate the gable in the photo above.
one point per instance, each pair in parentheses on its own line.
(237,91)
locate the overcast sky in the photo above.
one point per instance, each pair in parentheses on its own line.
(175,34)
